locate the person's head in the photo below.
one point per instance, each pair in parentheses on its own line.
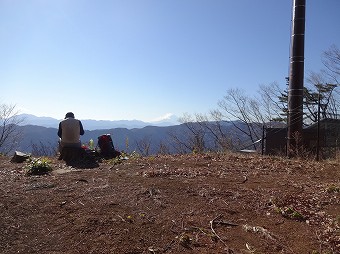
(69,115)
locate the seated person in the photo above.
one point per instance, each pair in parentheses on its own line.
(69,132)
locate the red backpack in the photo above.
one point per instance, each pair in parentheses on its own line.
(106,146)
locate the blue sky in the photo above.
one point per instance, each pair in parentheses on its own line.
(146,59)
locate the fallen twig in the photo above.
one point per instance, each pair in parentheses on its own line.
(121,218)
(168,247)
(214,232)
(223,222)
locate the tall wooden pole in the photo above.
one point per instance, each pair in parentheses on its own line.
(296,78)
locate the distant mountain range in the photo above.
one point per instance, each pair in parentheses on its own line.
(39,134)
(89,124)
(43,138)
(149,140)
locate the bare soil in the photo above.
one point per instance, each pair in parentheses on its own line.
(211,203)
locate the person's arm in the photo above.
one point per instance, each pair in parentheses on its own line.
(81,128)
(59,130)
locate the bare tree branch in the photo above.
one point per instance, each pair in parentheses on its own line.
(9,133)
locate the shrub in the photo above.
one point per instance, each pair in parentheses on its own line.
(39,166)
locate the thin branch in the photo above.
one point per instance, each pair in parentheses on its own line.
(212,222)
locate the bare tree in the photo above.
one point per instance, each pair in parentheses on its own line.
(163,148)
(189,139)
(179,142)
(195,135)
(324,86)
(317,87)
(274,102)
(320,94)
(245,113)
(214,127)
(143,146)
(205,133)
(42,149)
(10,136)
(331,60)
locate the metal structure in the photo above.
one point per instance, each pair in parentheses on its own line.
(296,78)
(321,140)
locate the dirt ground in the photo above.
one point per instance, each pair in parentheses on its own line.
(210,203)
